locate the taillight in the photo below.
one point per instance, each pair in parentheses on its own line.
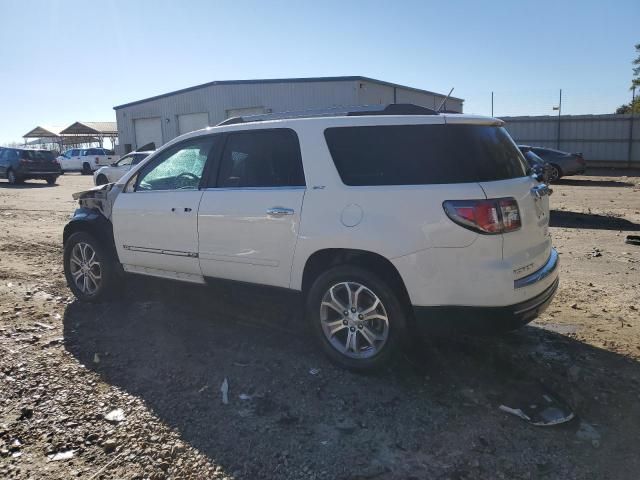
(489,217)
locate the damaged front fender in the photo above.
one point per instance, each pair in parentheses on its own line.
(99,198)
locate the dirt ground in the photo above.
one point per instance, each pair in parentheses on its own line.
(132,388)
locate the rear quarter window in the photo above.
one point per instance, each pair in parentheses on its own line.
(423,154)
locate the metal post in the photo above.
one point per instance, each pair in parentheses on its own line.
(630,149)
(492,104)
(559,114)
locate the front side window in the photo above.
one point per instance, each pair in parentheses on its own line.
(261,158)
(124,161)
(75,153)
(178,168)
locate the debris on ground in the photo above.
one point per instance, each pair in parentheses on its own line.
(224,388)
(115,416)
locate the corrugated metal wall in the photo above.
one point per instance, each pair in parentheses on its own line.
(216,100)
(603,139)
(372,93)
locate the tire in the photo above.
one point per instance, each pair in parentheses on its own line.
(102,180)
(13,178)
(365,356)
(92,291)
(86,169)
(555,173)
(51,180)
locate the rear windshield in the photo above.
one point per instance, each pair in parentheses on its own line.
(37,155)
(424,154)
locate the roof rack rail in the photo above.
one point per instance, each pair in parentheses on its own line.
(350,111)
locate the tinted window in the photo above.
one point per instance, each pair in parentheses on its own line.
(75,152)
(138,157)
(37,155)
(179,168)
(423,154)
(261,158)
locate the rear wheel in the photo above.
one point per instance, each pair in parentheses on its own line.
(88,268)
(356,317)
(101,180)
(554,172)
(51,180)
(86,168)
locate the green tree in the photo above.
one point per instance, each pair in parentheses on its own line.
(635,82)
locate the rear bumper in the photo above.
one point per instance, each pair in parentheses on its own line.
(470,319)
(27,173)
(447,320)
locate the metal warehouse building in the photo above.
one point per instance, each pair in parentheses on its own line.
(161,118)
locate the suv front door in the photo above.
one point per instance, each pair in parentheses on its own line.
(155,219)
(249,214)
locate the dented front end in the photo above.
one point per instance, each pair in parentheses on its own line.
(99,198)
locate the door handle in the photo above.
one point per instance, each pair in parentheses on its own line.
(186,209)
(279,211)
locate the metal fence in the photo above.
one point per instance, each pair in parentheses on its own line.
(605,140)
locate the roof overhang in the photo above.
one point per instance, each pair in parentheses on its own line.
(109,129)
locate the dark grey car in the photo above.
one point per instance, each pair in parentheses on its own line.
(562,164)
(20,164)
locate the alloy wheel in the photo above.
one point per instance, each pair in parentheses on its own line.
(554,173)
(85,270)
(354,320)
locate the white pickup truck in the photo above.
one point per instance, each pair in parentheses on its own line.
(86,160)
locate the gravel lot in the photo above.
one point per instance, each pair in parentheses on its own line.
(131,389)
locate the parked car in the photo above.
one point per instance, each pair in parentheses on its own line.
(562,164)
(86,160)
(20,164)
(113,172)
(538,166)
(385,219)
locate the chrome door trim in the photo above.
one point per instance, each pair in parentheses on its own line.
(160,251)
(546,270)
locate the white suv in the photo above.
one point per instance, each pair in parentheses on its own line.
(385,219)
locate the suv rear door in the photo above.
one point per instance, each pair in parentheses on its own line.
(528,248)
(250,213)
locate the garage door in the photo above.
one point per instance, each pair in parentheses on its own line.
(240,112)
(192,121)
(148,130)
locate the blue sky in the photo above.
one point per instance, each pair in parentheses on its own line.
(67,60)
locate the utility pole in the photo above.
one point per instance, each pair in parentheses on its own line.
(559,114)
(492,104)
(630,149)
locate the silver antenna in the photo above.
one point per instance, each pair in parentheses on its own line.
(444,100)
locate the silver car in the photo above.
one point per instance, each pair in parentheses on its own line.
(561,164)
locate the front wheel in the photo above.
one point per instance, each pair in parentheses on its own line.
(86,169)
(51,180)
(88,268)
(101,180)
(13,178)
(356,317)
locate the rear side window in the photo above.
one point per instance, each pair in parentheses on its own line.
(37,155)
(261,158)
(423,154)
